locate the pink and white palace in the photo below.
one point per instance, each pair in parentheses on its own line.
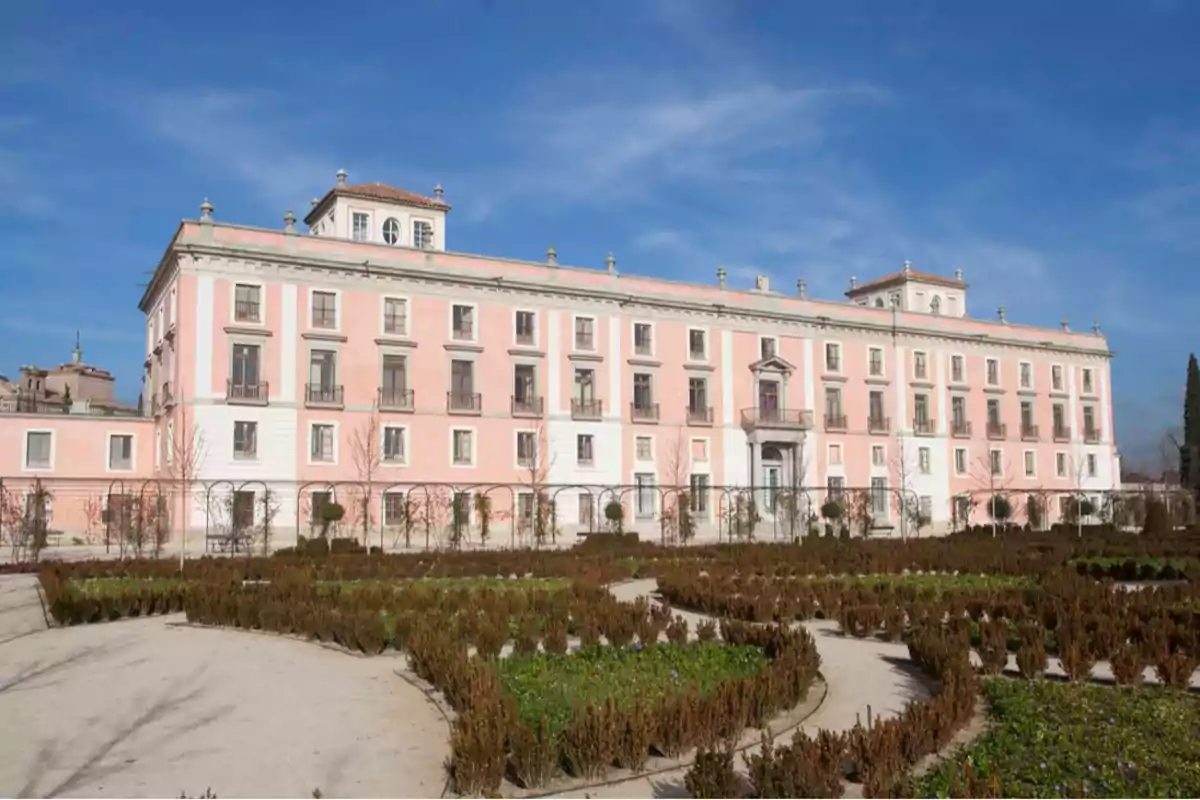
(269,354)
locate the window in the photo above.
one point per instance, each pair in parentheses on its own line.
(464,452)
(526,449)
(925,504)
(393,388)
(39,448)
(995,458)
(835,485)
(921,413)
(697,346)
(835,454)
(700,451)
(993,372)
(958,413)
(324,310)
(1026,417)
(422,234)
(120,452)
(322,376)
(833,406)
(463,322)
(525,397)
(395,508)
(1059,414)
(318,501)
(767,347)
(875,361)
(698,493)
(877,455)
(1056,378)
(875,409)
(247,303)
(957,369)
(395,316)
(245,439)
(879,302)
(462,385)
(393,445)
(645,495)
(1026,375)
(643,393)
(322,442)
(587,510)
(245,372)
(923,460)
(1088,387)
(879,497)
(361,229)
(170,442)
(960,461)
(1060,464)
(993,413)
(242,510)
(644,448)
(585,333)
(833,357)
(1091,465)
(585,449)
(643,342)
(1030,464)
(391,230)
(1089,421)
(698,399)
(585,387)
(920,366)
(526,328)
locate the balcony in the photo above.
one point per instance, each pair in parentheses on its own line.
(527,406)
(924,427)
(1091,435)
(960,429)
(323,395)
(247,394)
(879,424)
(835,422)
(700,415)
(246,311)
(394,399)
(1062,433)
(643,412)
(786,418)
(586,409)
(997,430)
(464,403)
(1029,433)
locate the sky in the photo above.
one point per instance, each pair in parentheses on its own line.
(1049,150)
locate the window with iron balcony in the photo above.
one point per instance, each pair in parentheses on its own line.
(245,384)
(699,412)
(394,394)
(923,424)
(322,388)
(643,408)
(835,417)
(584,404)
(462,397)
(525,399)
(876,421)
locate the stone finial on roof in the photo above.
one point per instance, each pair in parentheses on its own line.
(289,222)
(1001,314)
(906,268)
(1066,326)
(206,210)
(551,256)
(314,201)
(958,274)
(1096,327)
(611,262)
(721,275)
(77,353)
(438,191)
(341,177)
(853,282)
(802,289)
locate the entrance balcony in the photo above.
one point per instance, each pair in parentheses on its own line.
(789,419)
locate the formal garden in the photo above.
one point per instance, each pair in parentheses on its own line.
(1053,663)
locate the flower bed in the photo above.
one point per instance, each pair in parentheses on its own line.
(552,685)
(1050,739)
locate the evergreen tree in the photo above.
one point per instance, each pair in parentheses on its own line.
(1189,453)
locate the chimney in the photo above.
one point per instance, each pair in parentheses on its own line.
(341,177)
(552,256)
(206,210)
(721,277)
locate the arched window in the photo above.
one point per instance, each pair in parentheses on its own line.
(879,302)
(391,230)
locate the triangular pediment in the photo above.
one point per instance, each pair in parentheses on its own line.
(772,364)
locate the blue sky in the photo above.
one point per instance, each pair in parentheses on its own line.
(1050,150)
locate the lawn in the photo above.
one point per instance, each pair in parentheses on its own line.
(554,685)
(1050,739)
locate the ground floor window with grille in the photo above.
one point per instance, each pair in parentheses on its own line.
(394,508)
(698,494)
(879,497)
(587,510)
(926,507)
(319,501)
(242,515)
(646,494)
(962,509)
(525,508)
(835,486)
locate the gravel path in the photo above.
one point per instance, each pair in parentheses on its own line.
(153,708)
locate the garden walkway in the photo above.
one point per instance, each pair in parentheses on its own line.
(20,607)
(860,673)
(151,708)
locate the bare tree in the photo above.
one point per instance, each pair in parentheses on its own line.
(995,477)
(676,460)
(366,447)
(93,511)
(903,468)
(1080,472)
(536,464)
(186,452)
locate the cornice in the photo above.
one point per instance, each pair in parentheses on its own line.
(433,275)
